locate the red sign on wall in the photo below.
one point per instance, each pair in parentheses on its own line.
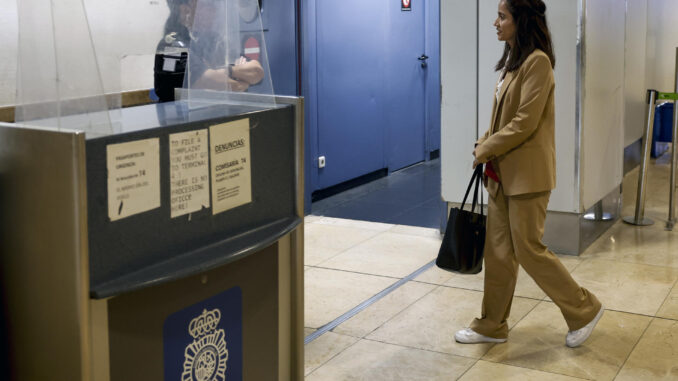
(405,5)
(252,48)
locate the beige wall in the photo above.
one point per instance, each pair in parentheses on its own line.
(602,146)
(635,84)
(8,31)
(662,40)
(125,60)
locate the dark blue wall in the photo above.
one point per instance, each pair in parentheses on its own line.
(279,20)
(311,36)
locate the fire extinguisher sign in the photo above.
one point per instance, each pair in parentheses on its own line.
(405,5)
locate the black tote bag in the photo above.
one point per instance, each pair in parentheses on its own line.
(464,240)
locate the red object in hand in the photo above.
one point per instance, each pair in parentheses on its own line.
(489,172)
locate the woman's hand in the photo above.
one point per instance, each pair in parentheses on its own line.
(238,86)
(250,72)
(475,161)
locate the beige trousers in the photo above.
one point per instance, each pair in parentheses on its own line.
(515,226)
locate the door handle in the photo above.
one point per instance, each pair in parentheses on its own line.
(423,59)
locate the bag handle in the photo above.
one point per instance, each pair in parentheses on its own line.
(477,175)
(475,192)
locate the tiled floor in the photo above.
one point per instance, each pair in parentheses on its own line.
(408,335)
(410,196)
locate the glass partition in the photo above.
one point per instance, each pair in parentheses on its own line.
(58,74)
(73,56)
(212,46)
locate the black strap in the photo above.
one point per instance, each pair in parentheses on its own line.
(476,189)
(481,202)
(477,175)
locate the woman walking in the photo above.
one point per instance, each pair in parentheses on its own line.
(519,152)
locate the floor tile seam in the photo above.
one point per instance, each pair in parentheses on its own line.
(358,272)
(519,320)
(400,312)
(392,317)
(538,370)
(667,297)
(626,262)
(665,318)
(628,356)
(422,349)
(468,369)
(354,246)
(397,198)
(332,358)
(329,258)
(385,205)
(347,198)
(471,289)
(411,207)
(625,312)
(415,234)
(406,211)
(575,267)
(366,303)
(354,227)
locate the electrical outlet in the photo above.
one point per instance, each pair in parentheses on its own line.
(321,162)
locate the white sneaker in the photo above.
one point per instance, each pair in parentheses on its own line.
(469,336)
(576,338)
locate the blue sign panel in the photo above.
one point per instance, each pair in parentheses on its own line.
(203,342)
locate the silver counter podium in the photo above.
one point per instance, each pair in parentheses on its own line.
(156,295)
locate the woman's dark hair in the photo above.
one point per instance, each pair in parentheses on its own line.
(173,23)
(532,32)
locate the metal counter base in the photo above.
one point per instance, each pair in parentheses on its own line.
(145,342)
(573,233)
(204,296)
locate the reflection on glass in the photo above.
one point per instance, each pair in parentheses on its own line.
(212,45)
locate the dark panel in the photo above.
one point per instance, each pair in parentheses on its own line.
(151,247)
(136,320)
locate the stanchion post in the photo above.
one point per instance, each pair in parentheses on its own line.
(674,158)
(639,217)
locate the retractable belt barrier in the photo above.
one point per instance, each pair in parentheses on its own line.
(639,217)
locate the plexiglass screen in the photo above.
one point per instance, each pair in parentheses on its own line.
(214,46)
(58,74)
(73,56)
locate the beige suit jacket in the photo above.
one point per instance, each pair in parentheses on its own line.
(521,138)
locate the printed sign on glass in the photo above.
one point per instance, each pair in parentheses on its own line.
(133,177)
(405,5)
(230,161)
(189,172)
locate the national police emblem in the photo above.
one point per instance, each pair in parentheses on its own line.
(205,358)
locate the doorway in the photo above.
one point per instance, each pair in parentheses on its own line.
(369,76)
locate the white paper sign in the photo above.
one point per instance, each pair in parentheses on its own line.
(230,164)
(189,172)
(133,177)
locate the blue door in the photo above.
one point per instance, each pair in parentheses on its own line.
(351,55)
(406,82)
(370,87)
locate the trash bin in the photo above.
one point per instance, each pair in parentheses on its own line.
(663,129)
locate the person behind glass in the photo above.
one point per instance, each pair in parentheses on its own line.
(193,27)
(519,153)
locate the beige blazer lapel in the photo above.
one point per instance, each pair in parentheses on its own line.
(497,103)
